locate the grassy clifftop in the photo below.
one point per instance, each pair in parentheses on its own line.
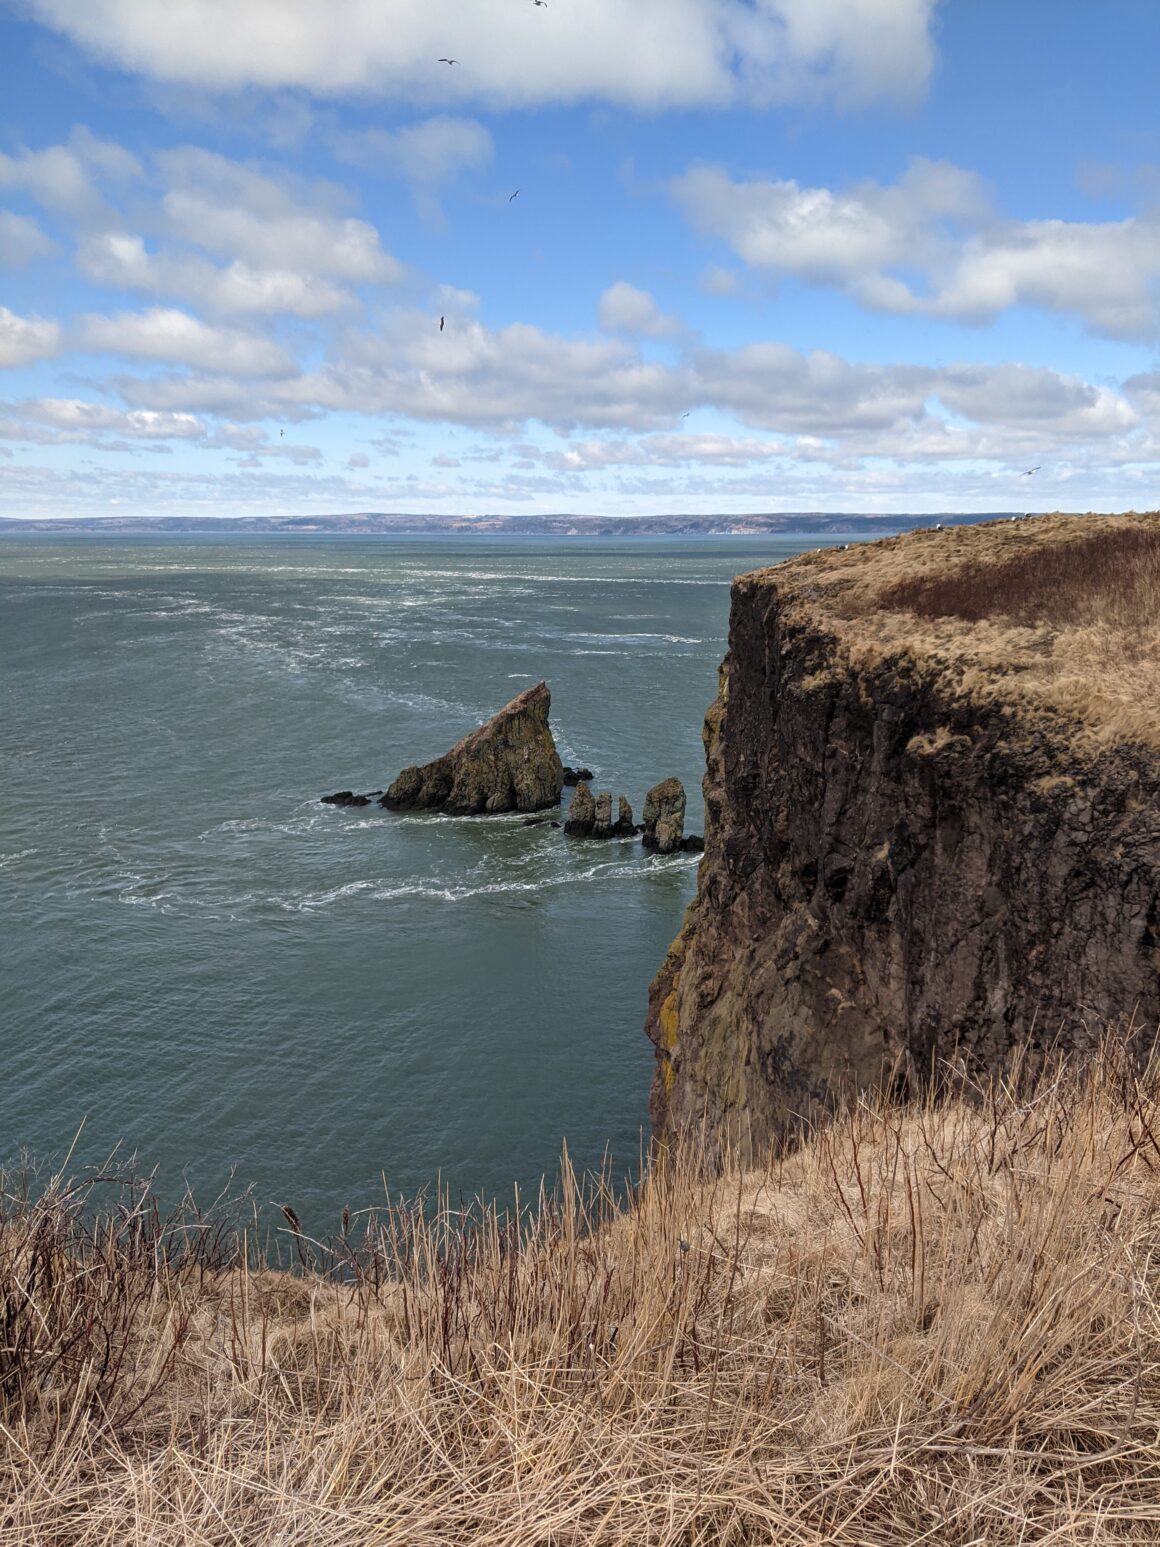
(1057,612)
(934,1323)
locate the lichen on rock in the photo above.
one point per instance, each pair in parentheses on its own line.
(508,764)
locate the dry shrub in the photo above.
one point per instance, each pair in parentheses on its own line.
(932,1323)
(1109,577)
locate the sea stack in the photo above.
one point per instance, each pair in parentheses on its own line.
(508,764)
(664,816)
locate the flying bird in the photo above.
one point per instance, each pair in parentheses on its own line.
(544,3)
(281,434)
(1029,472)
(686,413)
(512,196)
(447,61)
(442,320)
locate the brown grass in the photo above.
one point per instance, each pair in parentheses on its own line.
(1058,612)
(935,1324)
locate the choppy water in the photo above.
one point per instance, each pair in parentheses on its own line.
(212,969)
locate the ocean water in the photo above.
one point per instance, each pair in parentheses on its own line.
(203,966)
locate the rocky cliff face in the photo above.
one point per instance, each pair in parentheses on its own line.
(910,854)
(508,764)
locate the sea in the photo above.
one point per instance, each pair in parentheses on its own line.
(210,976)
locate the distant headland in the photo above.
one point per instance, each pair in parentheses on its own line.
(376,523)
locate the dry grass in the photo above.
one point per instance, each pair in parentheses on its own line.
(1059,611)
(934,1324)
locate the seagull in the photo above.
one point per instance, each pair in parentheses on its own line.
(447,61)
(512,196)
(544,3)
(442,320)
(1029,472)
(281,433)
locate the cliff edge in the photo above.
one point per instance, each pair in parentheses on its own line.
(932,820)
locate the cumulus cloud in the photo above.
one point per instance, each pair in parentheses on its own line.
(229,237)
(651,54)
(625,309)
(24,339)
(165,333)
(931,244)
(237,212)
(21,240)
(67,178)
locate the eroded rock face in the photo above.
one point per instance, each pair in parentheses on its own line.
(625,826)
(508,764)
(896,872)
(581,813)
(664,816)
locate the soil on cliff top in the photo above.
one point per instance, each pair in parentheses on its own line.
(1057,612)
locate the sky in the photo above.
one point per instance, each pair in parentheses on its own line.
(625,257)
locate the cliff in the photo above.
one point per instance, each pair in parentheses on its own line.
(932,825)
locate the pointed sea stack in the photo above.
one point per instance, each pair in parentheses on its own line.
(509,764)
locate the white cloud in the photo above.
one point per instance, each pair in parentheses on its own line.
(165,333)
(122,259)
(650,54)
(24,339)
(625,309)
(21,240)
(72,419)
(241,214)
(930,244)
(65,177)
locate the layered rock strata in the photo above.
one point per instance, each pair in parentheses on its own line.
(932,832)
(508,764)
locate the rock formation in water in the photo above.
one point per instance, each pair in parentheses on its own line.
(349,798)
(664,816)
(590,816)
(581,813)
(932,821)
(573,776)
(509,764)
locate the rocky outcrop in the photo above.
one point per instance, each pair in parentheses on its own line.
(509,764)
(573,776)
(925,844)
(349,798)
(581,813)
(590,816)
(664,816)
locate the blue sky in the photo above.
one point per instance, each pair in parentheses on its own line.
(874,255)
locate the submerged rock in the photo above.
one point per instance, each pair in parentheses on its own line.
(508,764)
(573,776)
(581,813)
(664,816)
(349,798)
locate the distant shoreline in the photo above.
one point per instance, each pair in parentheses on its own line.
(377,524)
